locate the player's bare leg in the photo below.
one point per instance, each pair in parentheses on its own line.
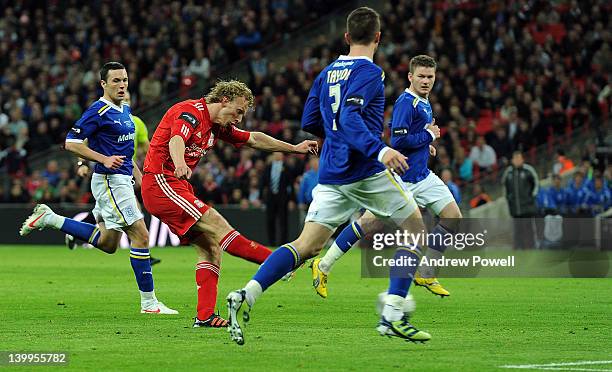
(213,225)
(450,216)
(219,231)
(141,264)
(109,239)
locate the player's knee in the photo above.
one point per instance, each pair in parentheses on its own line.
(107,246)
(451,212)
(370,225)
(214,225)
(307,248)
(208,251)
(144,240)
(215,253)
(315,251)
(141,239)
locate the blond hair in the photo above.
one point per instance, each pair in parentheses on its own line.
(231,89)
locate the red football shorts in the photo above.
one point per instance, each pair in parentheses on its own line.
(173,202)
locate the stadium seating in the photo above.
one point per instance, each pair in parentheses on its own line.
(477,57)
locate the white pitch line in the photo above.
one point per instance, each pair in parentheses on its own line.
(571,369)
(555,366)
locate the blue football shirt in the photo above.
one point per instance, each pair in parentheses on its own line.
(109,130)
(411,115)
(346,106)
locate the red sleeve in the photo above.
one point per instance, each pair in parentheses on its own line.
(233,135)
(185,121)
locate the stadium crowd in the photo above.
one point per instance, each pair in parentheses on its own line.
(587,193)
(52,52)
(526,74)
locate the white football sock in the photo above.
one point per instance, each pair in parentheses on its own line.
(333,254)
(147,298)
(393,308)
(253,291)
(55,221)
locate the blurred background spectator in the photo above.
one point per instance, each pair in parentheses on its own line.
(277,191)
(521,183)
(447,178)
(480,196)
(310,179)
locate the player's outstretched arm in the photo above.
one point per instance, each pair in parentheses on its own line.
(82,150)
(262,141)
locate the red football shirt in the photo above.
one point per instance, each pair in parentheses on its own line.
(190,120)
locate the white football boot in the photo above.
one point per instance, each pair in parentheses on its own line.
(157,307)
(38,220)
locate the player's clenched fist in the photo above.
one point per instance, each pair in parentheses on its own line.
(182,172)
(395,161)
(113,161)
(306,147)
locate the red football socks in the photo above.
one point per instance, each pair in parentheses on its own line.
(207,277)
(239,246)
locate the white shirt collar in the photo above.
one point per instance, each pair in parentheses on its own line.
(417,96)
(120,109)
(344,58)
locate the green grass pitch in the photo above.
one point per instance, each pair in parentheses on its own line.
(86,303)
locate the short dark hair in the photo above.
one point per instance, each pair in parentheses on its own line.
(422,61)
(110,66)
(362,25)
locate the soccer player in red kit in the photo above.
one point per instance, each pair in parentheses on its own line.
(186,132)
